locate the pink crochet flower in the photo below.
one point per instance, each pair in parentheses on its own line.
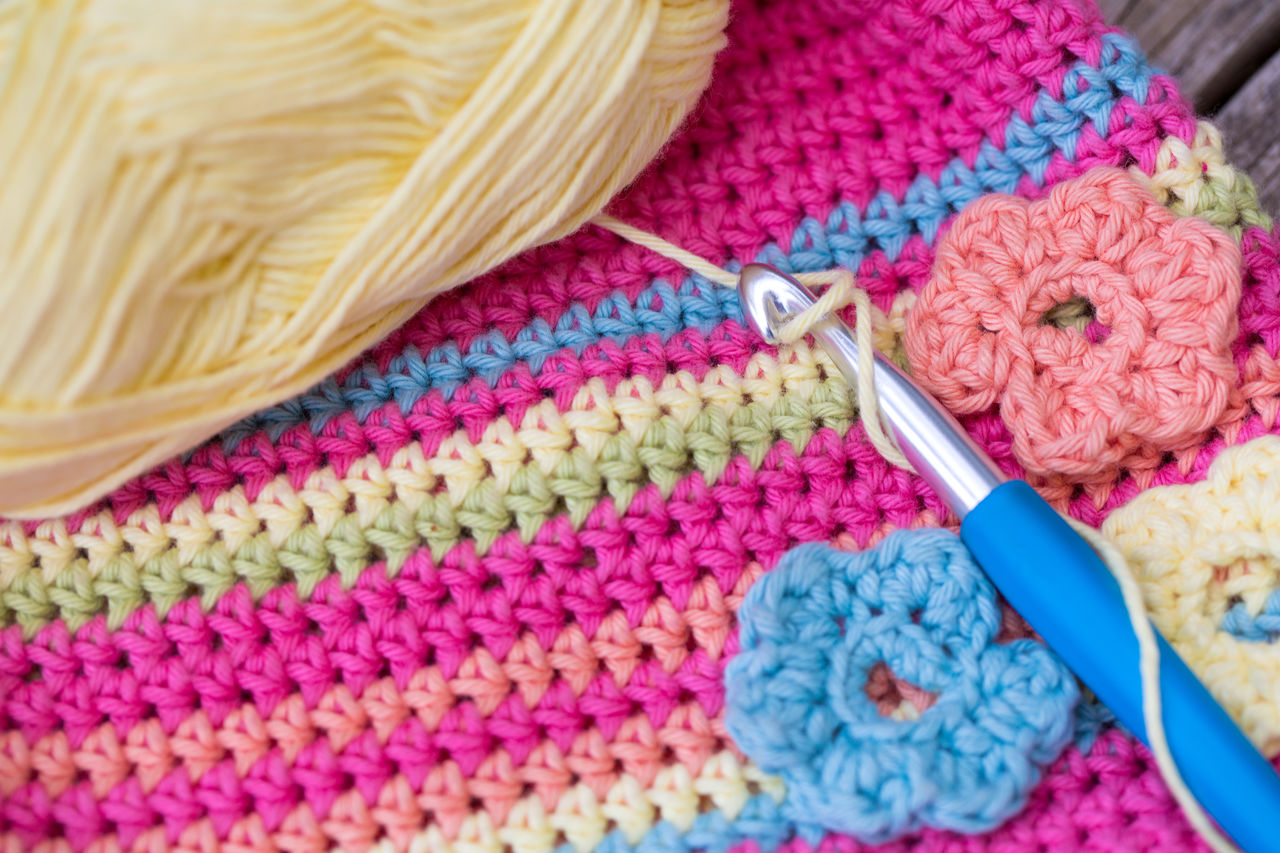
(1166,289)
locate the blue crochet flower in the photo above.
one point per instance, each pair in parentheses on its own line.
(811,632)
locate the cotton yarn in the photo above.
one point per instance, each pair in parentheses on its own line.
(1152,377)
(812,632)
(821,783)
(209,207)
(477,593)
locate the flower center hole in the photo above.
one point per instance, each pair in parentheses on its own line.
(1246,589)
(895,698)
(1076,313)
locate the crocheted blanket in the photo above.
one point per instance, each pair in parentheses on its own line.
(528,576)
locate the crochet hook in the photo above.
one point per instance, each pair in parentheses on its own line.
(1049,574)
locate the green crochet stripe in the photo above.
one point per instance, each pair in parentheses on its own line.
(666,453)
(1232,206)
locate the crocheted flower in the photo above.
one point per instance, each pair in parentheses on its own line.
(815,630)
(1208,558)
(1165,287)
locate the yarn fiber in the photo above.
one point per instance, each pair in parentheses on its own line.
(812,633)
(477,593)
(209,207)
(1157,371)
(1207,556)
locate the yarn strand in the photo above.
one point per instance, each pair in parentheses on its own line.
(842,290)
(1149,673)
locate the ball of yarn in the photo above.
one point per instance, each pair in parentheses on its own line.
(207,207)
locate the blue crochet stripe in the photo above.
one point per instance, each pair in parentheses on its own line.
(848,235)
(1263,628)
(410,376)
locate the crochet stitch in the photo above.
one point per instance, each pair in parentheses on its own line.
(1209,564)
(1263,627)
(476,592)
(1165,288)
(1195,180)
(812,632)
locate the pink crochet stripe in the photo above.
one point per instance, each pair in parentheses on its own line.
(299,452)
(1260,296)
(213,683)
(1111,799)
(273,784)
(190,660)
(1256,351)
(748,124)
(489,705)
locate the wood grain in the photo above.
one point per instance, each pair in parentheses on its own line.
(1251,132)
(1151,22)
(1211,47)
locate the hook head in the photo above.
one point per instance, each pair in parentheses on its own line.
(769,298)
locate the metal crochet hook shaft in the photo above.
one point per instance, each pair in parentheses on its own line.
(1048,574)
(929,436)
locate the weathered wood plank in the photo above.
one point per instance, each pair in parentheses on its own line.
(1219,47)
(1210,46)
(1149,21)
(1250,125)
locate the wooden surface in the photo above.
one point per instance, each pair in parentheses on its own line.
(1226,56)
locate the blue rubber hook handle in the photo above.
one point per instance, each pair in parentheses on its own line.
(1050,575)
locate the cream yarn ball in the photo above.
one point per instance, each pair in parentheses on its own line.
(209,205)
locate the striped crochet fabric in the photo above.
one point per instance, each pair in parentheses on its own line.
(478,591)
